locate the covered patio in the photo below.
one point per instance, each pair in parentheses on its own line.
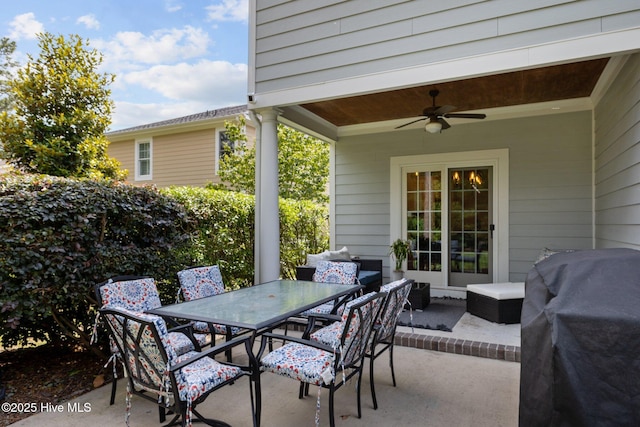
(435,387)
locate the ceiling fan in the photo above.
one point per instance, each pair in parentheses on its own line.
(436,115)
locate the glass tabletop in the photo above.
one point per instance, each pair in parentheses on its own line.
(258,306)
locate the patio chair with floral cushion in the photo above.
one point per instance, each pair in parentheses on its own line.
(340,272)
(177,382)
(384,331)
(201,282)
(139,294)
(332,364)
(337,272)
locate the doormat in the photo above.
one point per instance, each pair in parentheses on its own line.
(441,314)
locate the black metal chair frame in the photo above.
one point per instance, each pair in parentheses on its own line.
(385,334)
(305,323)
(175,326)
(133,351)
(350,368)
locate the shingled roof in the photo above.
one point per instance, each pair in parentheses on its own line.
(193,118)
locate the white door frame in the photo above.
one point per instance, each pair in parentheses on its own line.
(499,160)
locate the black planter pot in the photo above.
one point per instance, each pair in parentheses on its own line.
(419,296)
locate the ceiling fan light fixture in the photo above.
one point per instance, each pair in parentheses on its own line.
(433,127)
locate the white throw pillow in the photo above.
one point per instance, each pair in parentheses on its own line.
(341,254)
(312,259)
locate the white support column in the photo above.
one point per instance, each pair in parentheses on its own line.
(255,120)
(269,221)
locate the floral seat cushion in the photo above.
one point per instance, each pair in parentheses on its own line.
(200,282)
(325,308)
(147,365)
(344,273)
(179,342)
(388,287)
(398,299)
(201,376)
(330,335)
(299,362)
(136,295)
(203,328)
(152,365)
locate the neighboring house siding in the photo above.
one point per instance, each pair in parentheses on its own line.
(550,195)
(306,42)
(184,159)
(617,161)
(179,159)
(124,152)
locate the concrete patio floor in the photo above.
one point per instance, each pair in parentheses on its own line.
(435,388)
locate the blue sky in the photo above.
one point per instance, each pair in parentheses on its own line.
(171,58)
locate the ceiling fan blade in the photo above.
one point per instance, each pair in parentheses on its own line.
(410,123)
(429,111)
(444,123)
(466,115)
(441,111)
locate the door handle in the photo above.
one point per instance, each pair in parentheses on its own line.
(491,228)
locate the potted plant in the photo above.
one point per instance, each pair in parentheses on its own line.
(399,252)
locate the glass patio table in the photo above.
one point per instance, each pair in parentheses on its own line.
(258,307)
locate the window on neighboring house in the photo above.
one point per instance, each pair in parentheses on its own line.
(225,146)
(143,160)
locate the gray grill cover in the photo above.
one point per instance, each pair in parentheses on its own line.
(580,348)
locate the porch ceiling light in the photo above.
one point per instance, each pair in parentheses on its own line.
(433,127)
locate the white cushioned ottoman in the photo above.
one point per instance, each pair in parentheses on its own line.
(496,302)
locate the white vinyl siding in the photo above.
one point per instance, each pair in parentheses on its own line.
(144,160)
(617,161)
(309,41)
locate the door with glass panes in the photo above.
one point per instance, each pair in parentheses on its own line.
(470,226)
(449,225)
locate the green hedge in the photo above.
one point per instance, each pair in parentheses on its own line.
(59,237)
(225,221)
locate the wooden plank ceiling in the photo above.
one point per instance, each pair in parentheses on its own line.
(568,81)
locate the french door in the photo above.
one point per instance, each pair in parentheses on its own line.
(471,226)
(448,221)
(453,208)
(424,221)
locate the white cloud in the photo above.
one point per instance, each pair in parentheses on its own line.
(229,10)
(213,82)
(128,49)
(25,26)
(89,21)
(172,6)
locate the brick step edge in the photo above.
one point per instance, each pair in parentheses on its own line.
(509,353)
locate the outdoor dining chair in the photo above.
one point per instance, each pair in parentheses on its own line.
(340,272)
(139,294)
(201,282)
(384,331)
(177,383)
(332,364)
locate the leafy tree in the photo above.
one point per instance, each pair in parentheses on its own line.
(303,164)
(7,47)
(62,110)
